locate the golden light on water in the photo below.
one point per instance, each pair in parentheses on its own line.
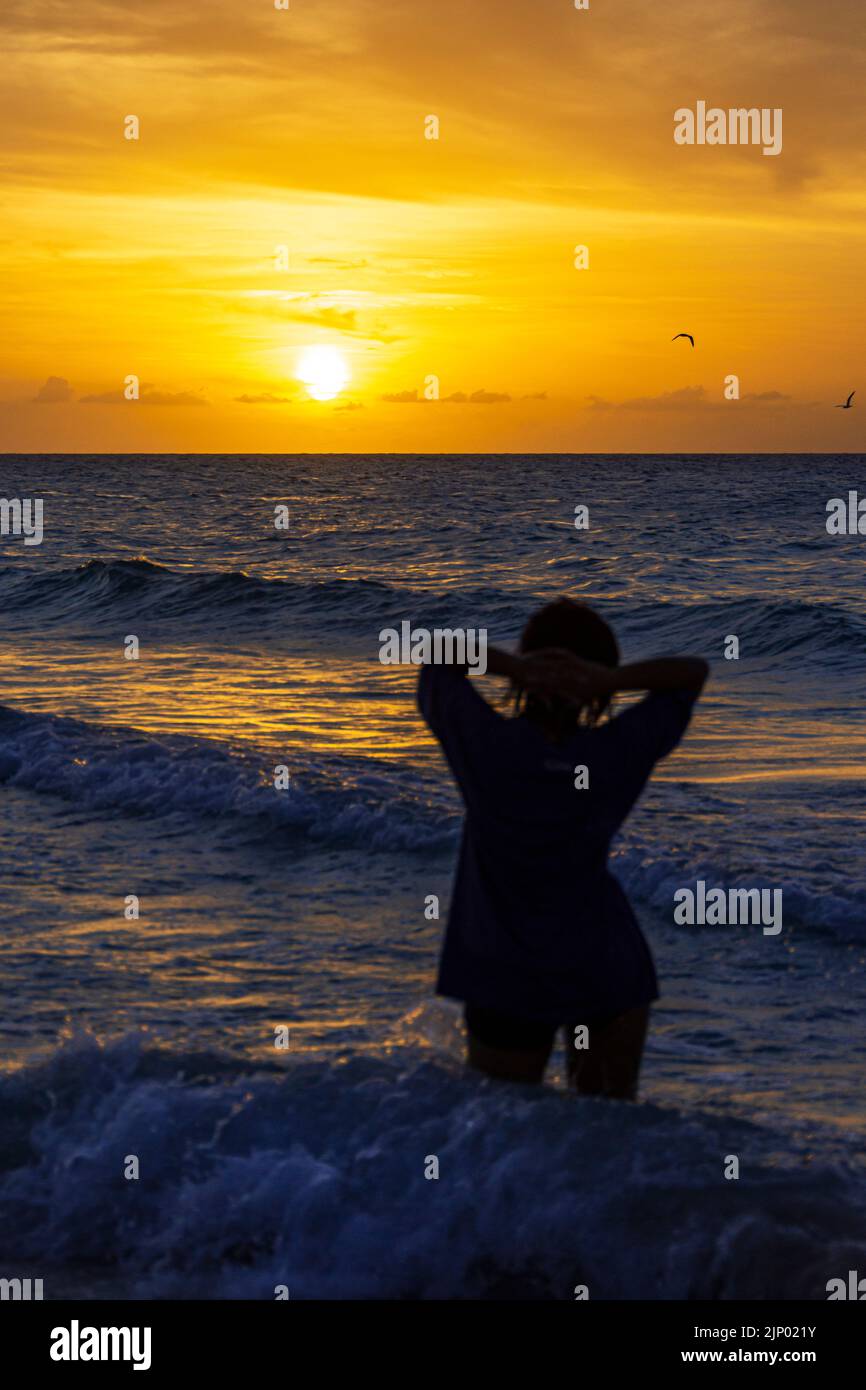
(323,371)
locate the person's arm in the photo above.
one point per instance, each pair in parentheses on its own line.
(652,727)
(660,674)
(560,673)
(500,663)
(555,671)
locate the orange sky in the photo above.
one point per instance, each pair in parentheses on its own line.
(414,258)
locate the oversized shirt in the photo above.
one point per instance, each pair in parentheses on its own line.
(539,926)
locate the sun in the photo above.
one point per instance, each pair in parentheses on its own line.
(323,371)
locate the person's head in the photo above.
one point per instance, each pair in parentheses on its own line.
(575,627)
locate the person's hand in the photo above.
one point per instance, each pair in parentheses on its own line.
(553,672)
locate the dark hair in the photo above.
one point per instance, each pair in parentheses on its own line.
(565,623)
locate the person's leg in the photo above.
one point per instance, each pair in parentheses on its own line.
(610,1066)
(508,1048)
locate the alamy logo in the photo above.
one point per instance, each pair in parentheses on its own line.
(76,1343)
(444,646)
(737,126)
(855,1288)
(21,517)
(20,1290)
(729,907)
(846,518)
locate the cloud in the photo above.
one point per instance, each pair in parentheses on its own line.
(71,65)
(265,398)
(340,262)
(789,53)
(105,398)
(685,399)
(149,396)
(308,309)
(762,396)
(350,405)
(55,391)
(688,398)
(477,398)
(342,320)
(456,398)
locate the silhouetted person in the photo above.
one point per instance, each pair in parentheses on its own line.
(540,934)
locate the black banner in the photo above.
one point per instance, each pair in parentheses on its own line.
(166,1339)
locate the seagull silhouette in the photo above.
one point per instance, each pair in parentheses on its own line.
(847,405)
(683,335)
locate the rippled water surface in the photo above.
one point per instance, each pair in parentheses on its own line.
(260,648)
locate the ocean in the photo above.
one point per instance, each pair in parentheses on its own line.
(152,779)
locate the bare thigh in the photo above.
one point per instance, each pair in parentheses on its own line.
(505,1063)
(610,1065)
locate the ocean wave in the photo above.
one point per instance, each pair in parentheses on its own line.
(105,768)
(765,628)
(830,902)
(231,602)
(365,803)
(311,1176)
(226,604)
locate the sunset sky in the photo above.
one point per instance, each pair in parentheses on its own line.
(411,258)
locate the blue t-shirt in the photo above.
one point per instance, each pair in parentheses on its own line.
(539,926)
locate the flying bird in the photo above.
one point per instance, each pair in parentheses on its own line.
(847,405)
(683,335)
